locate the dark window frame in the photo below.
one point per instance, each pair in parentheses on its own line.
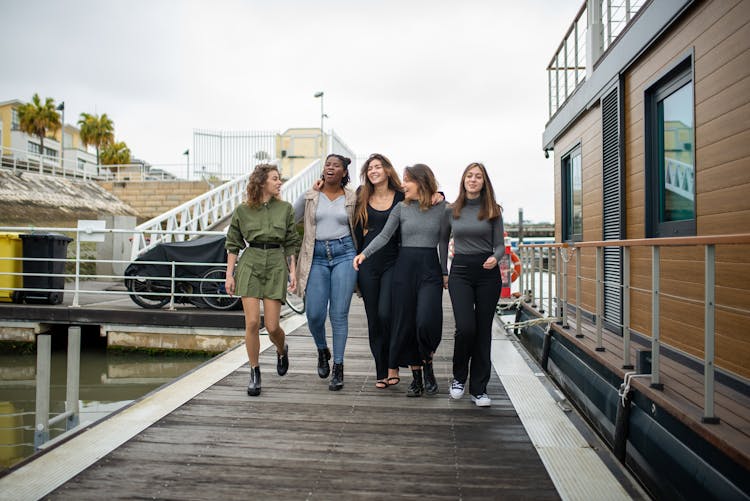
(675,78)
(567,198)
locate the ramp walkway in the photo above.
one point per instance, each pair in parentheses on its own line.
(201,437)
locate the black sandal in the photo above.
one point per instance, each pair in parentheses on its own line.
(396,380)
(381,384)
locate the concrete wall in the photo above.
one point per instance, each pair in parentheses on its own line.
(152,198)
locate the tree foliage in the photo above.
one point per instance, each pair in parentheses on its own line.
(97,131)
(116,153)
(37,118)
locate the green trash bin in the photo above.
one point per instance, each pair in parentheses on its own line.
(11,267)
(41,246)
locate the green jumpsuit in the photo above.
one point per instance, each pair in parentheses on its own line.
(269,235)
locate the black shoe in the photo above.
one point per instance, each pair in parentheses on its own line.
(415,388)
(324,368)
(282,361)
(430,383)
(337,380)
(253,387)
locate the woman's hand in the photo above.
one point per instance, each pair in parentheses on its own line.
(490,263)
(358,260)
(445,281)
(229,285)
(292,284)
(437,197)
(318,185)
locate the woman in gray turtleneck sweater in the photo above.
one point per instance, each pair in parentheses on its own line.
(474,282)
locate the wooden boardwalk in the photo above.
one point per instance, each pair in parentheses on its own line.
(202,437)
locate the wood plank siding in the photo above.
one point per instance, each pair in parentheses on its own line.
(717,32)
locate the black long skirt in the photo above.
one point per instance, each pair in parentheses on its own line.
(417,306)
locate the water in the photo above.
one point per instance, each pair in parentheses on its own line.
(108,381)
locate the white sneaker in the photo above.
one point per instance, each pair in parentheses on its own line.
(481,400)
(457,389)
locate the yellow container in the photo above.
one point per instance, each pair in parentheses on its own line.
(11,246)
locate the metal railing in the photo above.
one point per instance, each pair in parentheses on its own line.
(534,273)
(595,28)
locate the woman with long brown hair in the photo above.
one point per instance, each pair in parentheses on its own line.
(474,283)
(417,275)
(266,223)
(378,194)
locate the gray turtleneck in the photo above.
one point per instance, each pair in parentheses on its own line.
(474,236)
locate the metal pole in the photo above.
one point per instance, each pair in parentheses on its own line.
(532,278)
(171,287)
(541,279)
(41,421)
(565,292)
(599,298)
(550,311)
(579,330)
(73,379)
(78,268)
(626,362)
(655,251)
(709,326)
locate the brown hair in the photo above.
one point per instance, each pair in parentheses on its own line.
(489,208)
(366,189)
(425,179)
(257,180)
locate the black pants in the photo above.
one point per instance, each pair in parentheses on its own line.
(374,280)
(417,306)
(474,293)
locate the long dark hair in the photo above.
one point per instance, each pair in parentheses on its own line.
(366,189)
(256,182)
(346,161)
(425,179)
(489,207)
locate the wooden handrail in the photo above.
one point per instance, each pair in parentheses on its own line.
(733,239)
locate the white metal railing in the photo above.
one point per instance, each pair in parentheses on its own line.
(22,160)
(679,178)
(533,271)
(595,27)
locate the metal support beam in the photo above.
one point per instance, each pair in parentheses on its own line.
(709,334)
(41,420)
(655,341)
(73,377)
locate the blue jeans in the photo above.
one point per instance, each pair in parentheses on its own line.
(330,286)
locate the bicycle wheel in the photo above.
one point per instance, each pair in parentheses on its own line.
(295,303)
(146,294)
(213,291)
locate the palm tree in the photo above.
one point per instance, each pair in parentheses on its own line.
(37,118)
(116,153)
(97,131)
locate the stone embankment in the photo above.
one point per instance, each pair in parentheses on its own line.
(30,199)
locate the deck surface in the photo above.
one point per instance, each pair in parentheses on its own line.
(299,440)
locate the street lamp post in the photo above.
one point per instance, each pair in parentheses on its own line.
(187,160)
(322,136)
(61,108)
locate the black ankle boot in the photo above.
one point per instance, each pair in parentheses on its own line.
(430,383)
(337,380)
(282,361)
(415,388)
(324,368)
(253,387)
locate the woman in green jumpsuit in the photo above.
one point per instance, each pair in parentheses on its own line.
(265,225)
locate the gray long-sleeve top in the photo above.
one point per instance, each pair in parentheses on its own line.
(419,228)
(474,236)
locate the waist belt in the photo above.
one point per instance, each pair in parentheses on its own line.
(264,245)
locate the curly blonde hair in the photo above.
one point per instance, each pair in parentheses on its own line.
(257,180)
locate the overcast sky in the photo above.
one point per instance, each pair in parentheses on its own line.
(439,82)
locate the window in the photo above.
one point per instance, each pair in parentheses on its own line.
(49,152)
(15,122)
(670,154)
(572,196)
(34,148)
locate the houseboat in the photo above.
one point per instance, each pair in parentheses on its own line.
(648,305)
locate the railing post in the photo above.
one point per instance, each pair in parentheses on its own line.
(41,421)
(541,279)
(579,327)
(565,290)
(73,377)
(550,311)
(171,288)
(522,274)
(626,362)
(599,298)
(655,379)
(709,331)
(78,268)
(532,278)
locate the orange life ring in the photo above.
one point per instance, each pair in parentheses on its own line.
(516,263)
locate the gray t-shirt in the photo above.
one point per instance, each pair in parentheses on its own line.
(419,228)
(331,220)
(474,236)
